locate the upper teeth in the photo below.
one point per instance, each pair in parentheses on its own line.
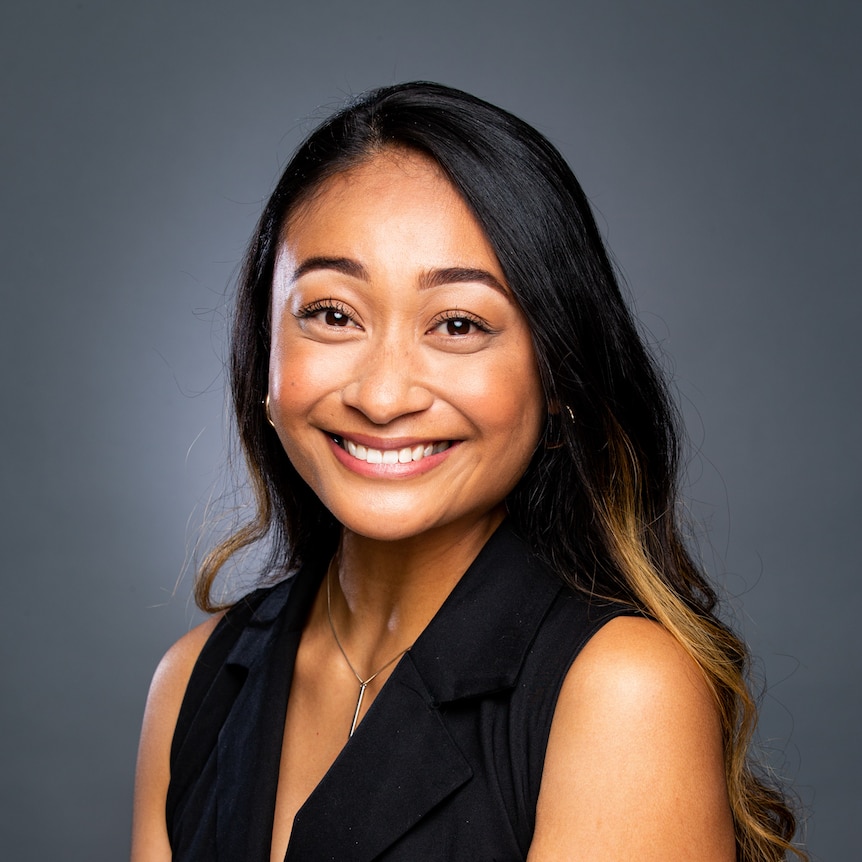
(393,456)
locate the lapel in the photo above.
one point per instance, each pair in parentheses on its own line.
(402,761)
(399,764)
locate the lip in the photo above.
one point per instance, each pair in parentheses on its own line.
(403,470)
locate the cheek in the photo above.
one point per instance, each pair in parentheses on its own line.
(298,376)
(509,403)
(296,389)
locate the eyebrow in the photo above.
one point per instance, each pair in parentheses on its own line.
(432,278)
(460,274)
(339,264)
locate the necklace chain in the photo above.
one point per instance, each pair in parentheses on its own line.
(363,683)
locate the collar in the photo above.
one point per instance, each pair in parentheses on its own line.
(476,643)
(478,640)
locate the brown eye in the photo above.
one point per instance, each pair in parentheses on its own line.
(458,326)
(333,317)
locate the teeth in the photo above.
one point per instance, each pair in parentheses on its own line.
(391,456)
(356,450)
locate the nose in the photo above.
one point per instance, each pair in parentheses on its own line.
(388,384)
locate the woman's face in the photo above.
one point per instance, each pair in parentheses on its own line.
(402,378)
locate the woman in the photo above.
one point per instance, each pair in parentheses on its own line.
(493,643)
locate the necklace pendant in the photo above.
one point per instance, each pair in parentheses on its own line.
(358,707)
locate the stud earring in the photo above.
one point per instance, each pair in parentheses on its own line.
(265,403)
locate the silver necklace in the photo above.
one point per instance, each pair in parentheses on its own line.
(363,683)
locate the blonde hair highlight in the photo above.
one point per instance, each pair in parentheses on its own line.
(764,825)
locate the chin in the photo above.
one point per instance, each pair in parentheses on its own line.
(386,528)
(390,524)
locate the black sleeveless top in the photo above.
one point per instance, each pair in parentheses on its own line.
(446,764)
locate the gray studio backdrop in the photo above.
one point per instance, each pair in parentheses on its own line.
(719,143)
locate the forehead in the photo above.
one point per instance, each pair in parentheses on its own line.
(381,175)
(396,202)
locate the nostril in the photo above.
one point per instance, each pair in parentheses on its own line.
(386,392)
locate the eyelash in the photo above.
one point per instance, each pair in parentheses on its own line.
(460,315)
(320,305)
(324,305)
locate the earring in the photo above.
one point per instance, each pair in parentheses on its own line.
(553,418)
(265,403)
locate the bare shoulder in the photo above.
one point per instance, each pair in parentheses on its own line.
(635,764)
(149,834)
(173,672)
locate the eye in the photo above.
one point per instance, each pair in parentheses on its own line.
(327,312)
(457,324)
(334,317)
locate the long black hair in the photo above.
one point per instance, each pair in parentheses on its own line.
(598,501)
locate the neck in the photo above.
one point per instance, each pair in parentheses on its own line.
(383,594)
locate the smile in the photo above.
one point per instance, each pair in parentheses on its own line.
(404,455)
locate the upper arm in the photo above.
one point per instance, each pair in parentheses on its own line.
(149,831)
(634,767)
